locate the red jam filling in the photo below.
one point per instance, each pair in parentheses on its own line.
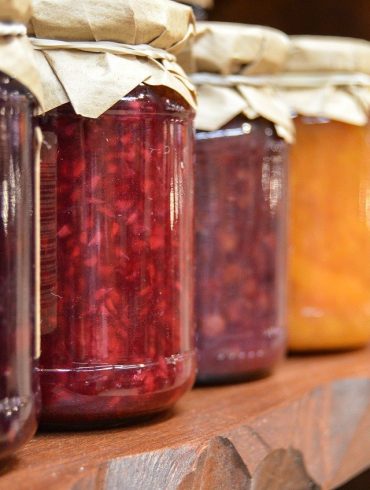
(117,260)
(240,238)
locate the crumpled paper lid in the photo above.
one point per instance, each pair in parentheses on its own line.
(16,54)
(328,54)
(223,50)
(327,77)
(93,81)
(226,48)
(161,23)
(15,10)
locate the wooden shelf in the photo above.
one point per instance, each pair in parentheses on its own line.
(306,427)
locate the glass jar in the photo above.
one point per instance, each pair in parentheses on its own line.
(18,386)
(329,273)
(117,260)
(240,256)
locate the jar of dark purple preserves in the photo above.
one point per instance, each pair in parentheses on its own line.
(117,258)
(240,213)
(19,394)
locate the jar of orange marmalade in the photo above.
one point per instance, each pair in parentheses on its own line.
(327,84)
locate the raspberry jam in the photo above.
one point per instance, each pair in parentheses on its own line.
(18,394)
(240,241)
(117,260)
(199,12)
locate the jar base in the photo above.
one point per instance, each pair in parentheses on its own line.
(47,425)
(233,378)
(218,366)
(18,424)
(83,398)
(327,349)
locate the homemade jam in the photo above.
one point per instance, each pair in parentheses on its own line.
(329,273)
(240,241)
(18,387)
(117,260)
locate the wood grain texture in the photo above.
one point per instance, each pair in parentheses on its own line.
(306,427)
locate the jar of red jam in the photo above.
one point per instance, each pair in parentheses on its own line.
(19,393)
(117,254)
(240,204)
(326,82)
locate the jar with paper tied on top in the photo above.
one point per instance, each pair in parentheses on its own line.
(326,82)
(201,8)
(116,210)
(20,94)
(242,139)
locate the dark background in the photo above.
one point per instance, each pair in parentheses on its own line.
(331,17)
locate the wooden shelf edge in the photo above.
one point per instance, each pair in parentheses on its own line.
(317,435)
(325,446)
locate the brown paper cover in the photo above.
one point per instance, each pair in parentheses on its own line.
(15,11)
(16,55)
(94,81)
(331,78)
(236,49)
(225,48)
(328,54)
